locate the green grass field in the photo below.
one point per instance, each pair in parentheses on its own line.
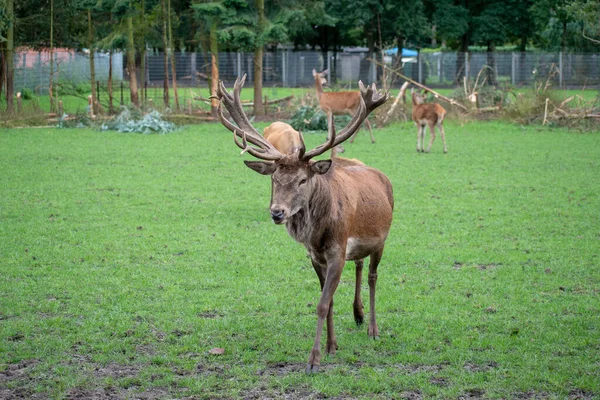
(126,258)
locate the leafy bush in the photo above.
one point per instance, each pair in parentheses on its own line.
(134,120)
(309,118)
(27,94)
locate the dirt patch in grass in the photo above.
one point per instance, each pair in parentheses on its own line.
(439,381)
(115,394)
(529,395)
(283,368)
(472,394)
(116,371)
(473,367)
(580,394)
(18,372)
(420,368)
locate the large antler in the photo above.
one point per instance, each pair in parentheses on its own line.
(244,129)
(370,99)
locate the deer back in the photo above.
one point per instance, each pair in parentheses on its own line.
(339,102)
(283,137)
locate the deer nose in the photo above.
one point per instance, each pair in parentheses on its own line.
(277,214)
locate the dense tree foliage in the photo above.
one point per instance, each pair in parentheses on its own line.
(211,26)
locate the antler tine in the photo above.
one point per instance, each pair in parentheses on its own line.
(302,148)
(244,129)
(255,151)
(370,99)
(233,104)
(331,139)
(373,98)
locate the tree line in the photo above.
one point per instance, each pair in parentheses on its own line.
(134,27)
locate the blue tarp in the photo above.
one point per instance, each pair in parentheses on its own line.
(405,52)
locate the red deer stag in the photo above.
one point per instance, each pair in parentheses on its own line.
(338,103)
(339,210)
(427,114)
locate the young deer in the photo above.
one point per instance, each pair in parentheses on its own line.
(427,114)
(337,103)
(340,210)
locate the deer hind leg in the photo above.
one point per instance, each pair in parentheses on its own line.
(375,258)
(359,314)
(421,138)
(432,133)
(370,130)
(329,278)
(441,128)
(354,136)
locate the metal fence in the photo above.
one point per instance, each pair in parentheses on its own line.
(294,68)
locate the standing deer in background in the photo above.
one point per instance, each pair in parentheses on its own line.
(336,103)
(339,210)
(427,114)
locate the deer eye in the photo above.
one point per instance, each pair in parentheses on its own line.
(302,182)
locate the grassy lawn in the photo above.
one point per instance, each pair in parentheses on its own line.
(126,258)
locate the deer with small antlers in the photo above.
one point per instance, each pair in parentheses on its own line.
(338,103)
(339,210)
(427,114)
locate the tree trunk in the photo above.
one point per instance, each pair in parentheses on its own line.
(142,53)
(110,82)
(10,43)
(90,44)
(50,88)
(165,55)
(214,75)
(173,69)
(461,59)
(2,67)
(491,62)
(133,87)
(258,61)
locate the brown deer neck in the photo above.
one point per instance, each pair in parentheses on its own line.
(312,219)
(318,85)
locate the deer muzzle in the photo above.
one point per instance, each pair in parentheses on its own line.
(278,214)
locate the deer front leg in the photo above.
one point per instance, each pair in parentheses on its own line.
(370,131)
(420,139)
(359,314)
(325,311)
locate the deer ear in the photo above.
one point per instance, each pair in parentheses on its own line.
(325,72)
(314,72)
(320,167)
(262,167)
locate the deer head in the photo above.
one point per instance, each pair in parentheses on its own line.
(292,176)
(321,75)
(418,97)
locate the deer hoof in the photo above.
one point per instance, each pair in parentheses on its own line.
(359,319)
(312,369)
(331,348)
(374,332)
